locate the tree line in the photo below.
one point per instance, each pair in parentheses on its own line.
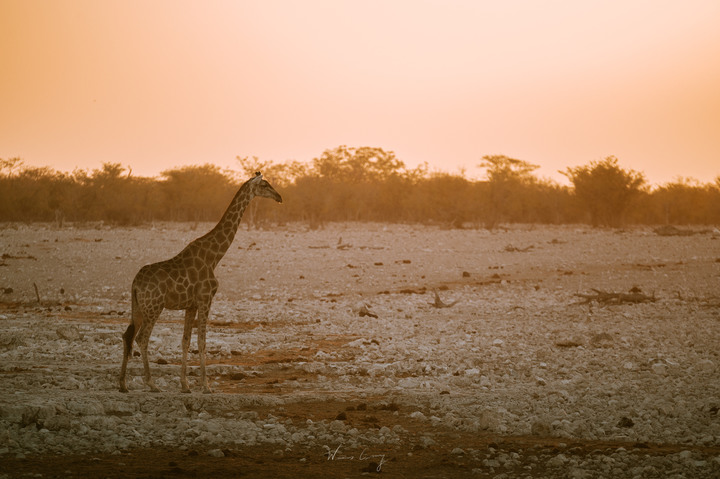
(358,184)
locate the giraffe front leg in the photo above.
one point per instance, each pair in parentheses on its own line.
(202,330)
(187,334)
(123,370)
(148,378)
(123,384)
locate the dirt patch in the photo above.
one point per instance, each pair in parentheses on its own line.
(437,354)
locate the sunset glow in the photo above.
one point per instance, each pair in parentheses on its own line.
(154,85)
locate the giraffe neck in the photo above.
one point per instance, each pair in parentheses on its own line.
(215,244)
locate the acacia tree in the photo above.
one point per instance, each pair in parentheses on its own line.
(110,194)
(605,190)
(357,165)
(353,180)
(685,201)
(281,175)
(443,198)
(29,193)
(507,180)
(196,193)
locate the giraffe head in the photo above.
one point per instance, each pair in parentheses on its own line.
(262,188)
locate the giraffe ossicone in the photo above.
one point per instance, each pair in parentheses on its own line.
(186,282)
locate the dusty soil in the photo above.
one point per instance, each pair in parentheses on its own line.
(331,355)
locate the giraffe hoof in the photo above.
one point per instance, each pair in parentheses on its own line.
(123,389)
(207,390)
(185,390)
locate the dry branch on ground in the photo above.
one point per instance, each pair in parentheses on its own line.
(604,297)
(440,304)
(514,249)
(669,230)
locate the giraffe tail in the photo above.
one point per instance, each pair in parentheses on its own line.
(128,337)
(129,334)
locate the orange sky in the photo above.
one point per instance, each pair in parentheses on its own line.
(157,84)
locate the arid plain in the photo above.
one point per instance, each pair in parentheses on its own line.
(413,351)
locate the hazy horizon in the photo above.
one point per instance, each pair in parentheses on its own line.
(164,84)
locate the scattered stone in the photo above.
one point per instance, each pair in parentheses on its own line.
(69,332)
(602,340)
(706,366)
(418,415)
(557,461)
(427,441)
(540,428)
(60,396)
(625,422)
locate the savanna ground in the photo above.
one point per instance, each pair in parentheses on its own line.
(332,356)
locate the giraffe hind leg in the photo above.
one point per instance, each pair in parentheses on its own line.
(127,351)
(128,338)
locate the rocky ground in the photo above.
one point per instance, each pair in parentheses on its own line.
(407,350)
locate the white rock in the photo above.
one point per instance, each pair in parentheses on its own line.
(685,455)
(578,473)
(69,332)
(338,426)
(357,343)
(426,441)
(557,461)
(540,428)
(705,365)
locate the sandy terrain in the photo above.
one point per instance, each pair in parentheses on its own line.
(518,377)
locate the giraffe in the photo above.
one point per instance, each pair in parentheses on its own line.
(186,282)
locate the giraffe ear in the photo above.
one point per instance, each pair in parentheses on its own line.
(257,177)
